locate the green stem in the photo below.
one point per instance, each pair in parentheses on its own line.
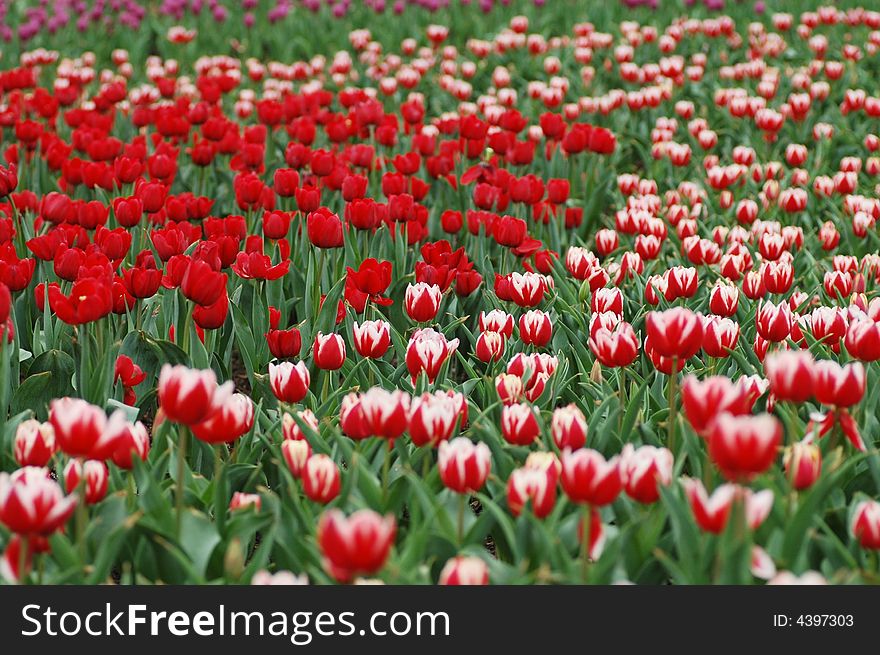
(386,467)
(81,516)
(219,489)
(585,546)
(462,505)
(673,414)
(182,435)
(24,547)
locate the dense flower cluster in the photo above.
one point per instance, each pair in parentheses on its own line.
(590,306)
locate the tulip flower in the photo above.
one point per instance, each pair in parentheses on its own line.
(371,338)
(569,427)
(320,479)
(865,524)
(434,416)
(328,351)
(357,544)
(96,479)
(644,470)
(289,382)
(533,486)
(34,443)
(464,571)
(32,504)
(189,396)
(744,446)
(463,465)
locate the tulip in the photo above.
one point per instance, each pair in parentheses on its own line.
(379,413)
(838,386)
(711,513)
(744,446)
(676,333)
(569,427)
(865,524)
(791,375)
(371,338)
(720,336)
(803,464)
(463,570)
(130,440)
(535,328)
(291,429)
(32,504)
(434,416)
(704,400)
(774,322)
(296,453)
(527,289)
(644,470)
(497,321)
(202,284)
(588,479)
(723,299)
(863,339)
(289,382)
(463,465)
(426,352)
(96,479)
(227,422)
(323,226)
(490,346)
(34,443)
(320,479)
(328,351)
(615,347)
(422,301)
(284,343)
(519,424)
(189,396)
(358,544)
(80,428)
(243,501)
(534,486)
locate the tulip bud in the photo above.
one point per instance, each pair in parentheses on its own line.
(320,479)
(341,540)
(34,443)
(569,427)
(96,479)
(803,464)
(328,351)
(463,465)
(296,453)
(464,571)
(289,382)
(866,524)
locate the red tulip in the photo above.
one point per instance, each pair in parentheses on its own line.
(188,395)
(803,464)
(96,479)
(865,524)
(569,427)
(296,453)
(463,570)
(720,336)
(32,504)
(527,289)
(863,339)
(723,299)
(536,486)
(371,338)
(675,333)
(434,417)
(358,544)
(587,478)
(202,284)
(320,479)
(80,428)
(838,386)
(711,513)
(375,413)
(791,375)
(535,328)
(324,228)
(427,351)
(422,301)
(227,422)
(284,343)
(34,443)
(289,382)
(744,446)
(328,351)
(490,346)
(519,424)
(644,470)
(463,465)
(497,321)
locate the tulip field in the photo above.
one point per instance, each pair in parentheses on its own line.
(439,292)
